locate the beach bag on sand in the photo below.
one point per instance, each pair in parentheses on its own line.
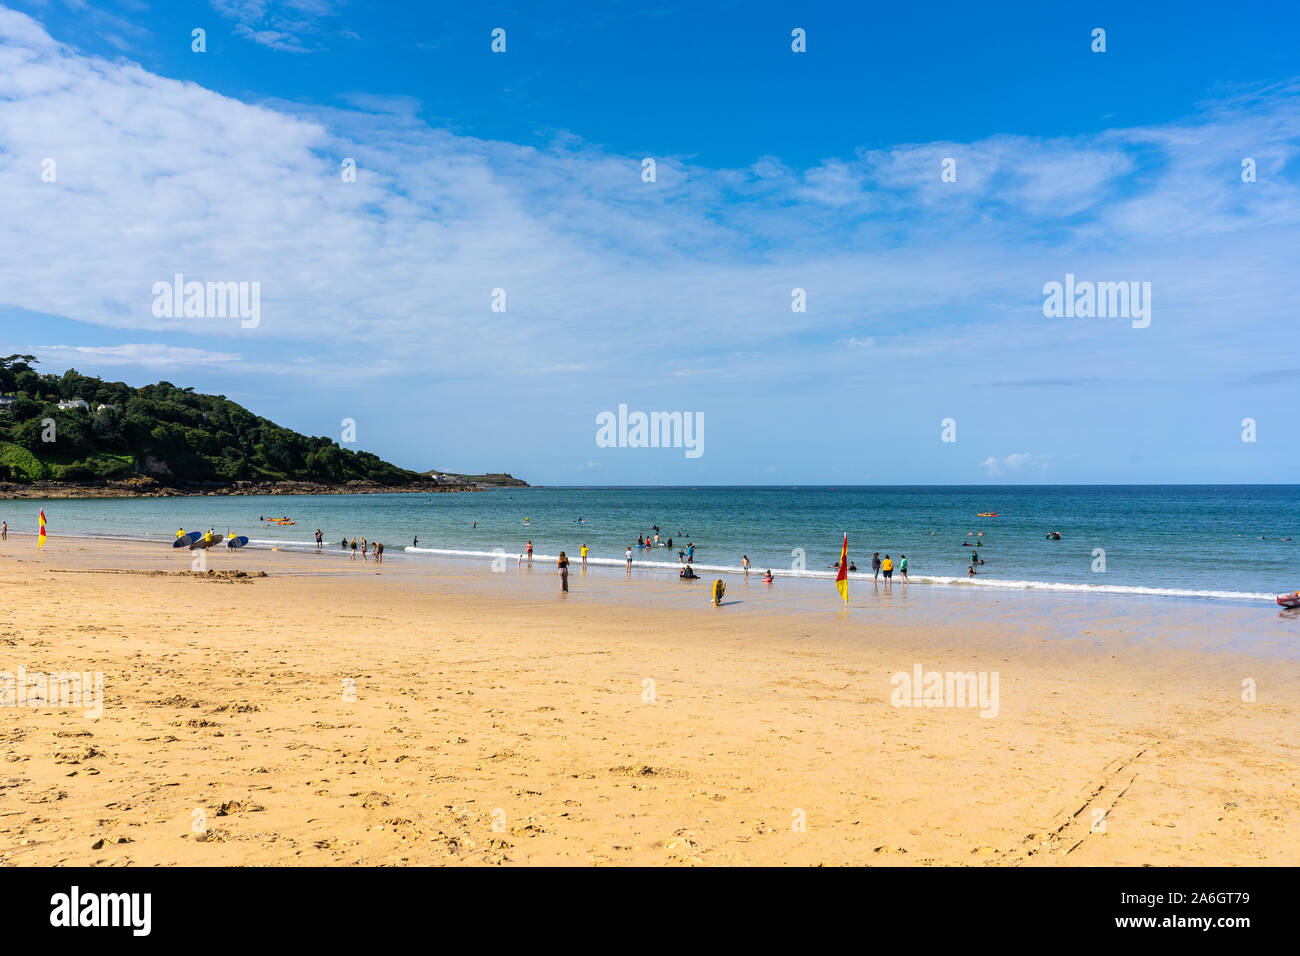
(719,589)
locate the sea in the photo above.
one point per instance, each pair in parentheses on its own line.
(1237,543)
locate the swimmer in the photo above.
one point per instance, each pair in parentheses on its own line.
(767,577)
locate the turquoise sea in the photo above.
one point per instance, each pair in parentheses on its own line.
(1219,543)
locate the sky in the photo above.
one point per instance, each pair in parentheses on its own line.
(923,353)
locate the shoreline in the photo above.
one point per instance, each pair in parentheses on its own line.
(860,579)
(340,714)
(1215,625)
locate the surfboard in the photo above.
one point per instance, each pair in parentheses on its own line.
(201,544)
(187,539)
(237,542)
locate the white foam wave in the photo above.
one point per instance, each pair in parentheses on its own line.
(976,582)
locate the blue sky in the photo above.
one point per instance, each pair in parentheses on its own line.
(776,170)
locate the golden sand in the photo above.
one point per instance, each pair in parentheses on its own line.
(336,712)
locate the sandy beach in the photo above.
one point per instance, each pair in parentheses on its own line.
(334,712)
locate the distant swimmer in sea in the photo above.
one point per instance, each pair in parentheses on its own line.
(767,577)
(473,524)
(640,541)
(852,566)
(583,551)
(562,564)
(971,573)
(669,543)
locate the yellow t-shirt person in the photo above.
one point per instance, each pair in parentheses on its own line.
(584,551)
(887,565)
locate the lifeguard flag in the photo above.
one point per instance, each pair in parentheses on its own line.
(40,539)
(842,579)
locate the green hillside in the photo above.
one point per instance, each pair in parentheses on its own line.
(164,431)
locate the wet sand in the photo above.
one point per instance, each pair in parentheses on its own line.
(426,712)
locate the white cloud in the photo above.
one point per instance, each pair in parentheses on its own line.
(150,356)
(288,26)
(1020,463)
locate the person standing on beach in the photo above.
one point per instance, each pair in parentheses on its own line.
(320,538)
(875,565)
(379,552)
(415,542)
(563,565)
(887,569)
(4,532)
(902,567)
(584,551)
(744,563)
(629,560)
(530,554)
(354,549)
(364,550)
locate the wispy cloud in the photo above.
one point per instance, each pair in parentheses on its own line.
(288,26)
(1022,464)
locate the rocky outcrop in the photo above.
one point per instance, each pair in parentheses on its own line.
(142,486)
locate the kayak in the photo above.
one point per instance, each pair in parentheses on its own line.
(1289,600)
(988,514)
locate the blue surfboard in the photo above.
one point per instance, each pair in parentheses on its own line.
(237,542)
(187,539)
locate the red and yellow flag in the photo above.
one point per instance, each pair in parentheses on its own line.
(842,579)
(40,539)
